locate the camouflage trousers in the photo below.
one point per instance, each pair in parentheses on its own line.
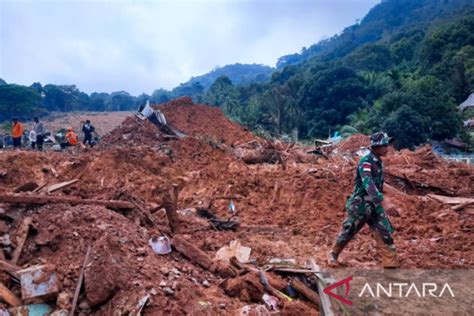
(361,212)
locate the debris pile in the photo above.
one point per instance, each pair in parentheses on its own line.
(354,143)
(203,121)
(133,131)
(247,234)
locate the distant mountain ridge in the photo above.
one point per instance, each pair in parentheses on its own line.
(237,73)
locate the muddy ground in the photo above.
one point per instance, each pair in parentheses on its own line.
(290,208)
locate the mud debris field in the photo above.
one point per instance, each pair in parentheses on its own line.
(289,204)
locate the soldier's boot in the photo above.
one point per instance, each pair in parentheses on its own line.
(387,252)
(389,257)
(390,263)
(333,254)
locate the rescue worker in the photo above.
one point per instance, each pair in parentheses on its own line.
(17,133)
(39,130)
(367,204)
(88,129)
(71,138)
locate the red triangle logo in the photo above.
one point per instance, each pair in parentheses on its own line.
(343,299)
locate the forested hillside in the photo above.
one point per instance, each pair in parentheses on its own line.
(389,72)
(403,69)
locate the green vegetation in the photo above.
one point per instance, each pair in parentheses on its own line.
(402,69)
(23,102)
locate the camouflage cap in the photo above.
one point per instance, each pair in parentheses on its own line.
(380,139)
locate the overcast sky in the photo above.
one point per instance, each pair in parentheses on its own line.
(139,46)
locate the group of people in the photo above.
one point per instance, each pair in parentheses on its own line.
(38,133)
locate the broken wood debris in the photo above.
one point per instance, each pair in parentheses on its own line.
(10,268)
(462,206)
(199,257)
(414,185)
(8,296)
(307,292)
(80,281)
(271,289)
(21,236)
(61,185)
(170,204)
(326,304)
(46,199)
(450,199)
(292,270)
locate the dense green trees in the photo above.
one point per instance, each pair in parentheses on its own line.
(403,69)
(37,100)
(18,101)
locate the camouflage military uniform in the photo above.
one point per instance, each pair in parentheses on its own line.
(364,206)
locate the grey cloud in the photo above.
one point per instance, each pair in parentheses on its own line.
(139,46)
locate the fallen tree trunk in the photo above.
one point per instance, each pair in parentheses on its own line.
(199,257)
(306,291)
(261,156)
(72,200)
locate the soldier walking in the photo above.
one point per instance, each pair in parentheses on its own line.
(367,204)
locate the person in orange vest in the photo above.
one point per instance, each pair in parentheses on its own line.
(71,138)
(17,133)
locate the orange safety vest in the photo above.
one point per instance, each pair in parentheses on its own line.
(17,130)
(72,138)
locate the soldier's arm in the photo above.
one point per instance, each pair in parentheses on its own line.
(373,194)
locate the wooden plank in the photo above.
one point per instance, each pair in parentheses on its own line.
(21,236)
(291,270)
(311,295)
(326,304)
(72,200)
(10,268)
(450,200)
(41,186)
(7,296)
(462,206)
(79,282)
(61,185)
(170,206)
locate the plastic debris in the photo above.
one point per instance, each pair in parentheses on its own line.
(160,245)
(235,249)
(271,301)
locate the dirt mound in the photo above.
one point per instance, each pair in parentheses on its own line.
(133,131)
(422,172)
(123,268)
(354,143)
(203,120)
